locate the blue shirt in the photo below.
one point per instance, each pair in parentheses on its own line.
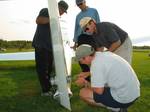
(89,12)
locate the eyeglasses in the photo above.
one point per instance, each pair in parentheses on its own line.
(89,23)
(79,4)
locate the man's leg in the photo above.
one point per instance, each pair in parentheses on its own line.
(50,65)
(104,100)
(41,67)
(86,94)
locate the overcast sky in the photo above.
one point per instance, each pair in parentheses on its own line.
(17,21)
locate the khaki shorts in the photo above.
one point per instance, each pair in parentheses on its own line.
(125,50)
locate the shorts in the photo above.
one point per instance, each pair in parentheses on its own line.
(107,100)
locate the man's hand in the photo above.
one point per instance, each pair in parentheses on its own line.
(74,46)
(84,74)
(82,82)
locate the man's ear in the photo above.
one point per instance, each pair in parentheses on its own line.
(92,49)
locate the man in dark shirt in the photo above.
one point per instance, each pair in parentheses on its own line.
(85,39)
(106,35)
(43,47)
(110,36)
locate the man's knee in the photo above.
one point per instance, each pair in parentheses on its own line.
(81,94)
(85,93)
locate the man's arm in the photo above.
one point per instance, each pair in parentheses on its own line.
(42,20)
(81,81)
(114,46)
(84,74)
(98,90)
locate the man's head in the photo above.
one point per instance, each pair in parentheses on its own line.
(88,24)
(63,6)
(84,52)
(81,4)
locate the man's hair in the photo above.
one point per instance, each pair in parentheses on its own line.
(63,5)
(86,39)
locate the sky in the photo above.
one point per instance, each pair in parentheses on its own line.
(17,21)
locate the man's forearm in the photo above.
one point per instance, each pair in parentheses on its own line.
(42,20)
(114,46)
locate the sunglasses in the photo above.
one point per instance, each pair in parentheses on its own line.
(79,4)
(89,23)
(86,29)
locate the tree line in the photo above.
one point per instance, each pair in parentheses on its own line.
(18,44)
(141,47)
(23,44)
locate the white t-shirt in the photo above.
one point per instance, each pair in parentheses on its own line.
(110,69)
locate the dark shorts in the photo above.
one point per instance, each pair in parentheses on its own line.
(107,100)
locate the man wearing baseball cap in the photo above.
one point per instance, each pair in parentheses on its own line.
(43,48)
(114,84)
(85,12)
(109,35)
(63,6)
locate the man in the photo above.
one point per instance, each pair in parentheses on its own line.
(109,35)
(86,39)
(85,12)
(43,47)
(114,83)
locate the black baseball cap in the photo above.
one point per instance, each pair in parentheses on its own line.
(63,5)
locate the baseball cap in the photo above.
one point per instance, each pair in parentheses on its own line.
(63,5)
(84,21)
(79,1)
(84,50)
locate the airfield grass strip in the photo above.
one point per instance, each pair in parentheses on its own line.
(20,89)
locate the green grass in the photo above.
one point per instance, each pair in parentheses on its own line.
(20,89)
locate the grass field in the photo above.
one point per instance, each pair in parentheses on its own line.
(20,89)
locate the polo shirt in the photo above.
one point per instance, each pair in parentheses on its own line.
(109,69)
(108,33)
